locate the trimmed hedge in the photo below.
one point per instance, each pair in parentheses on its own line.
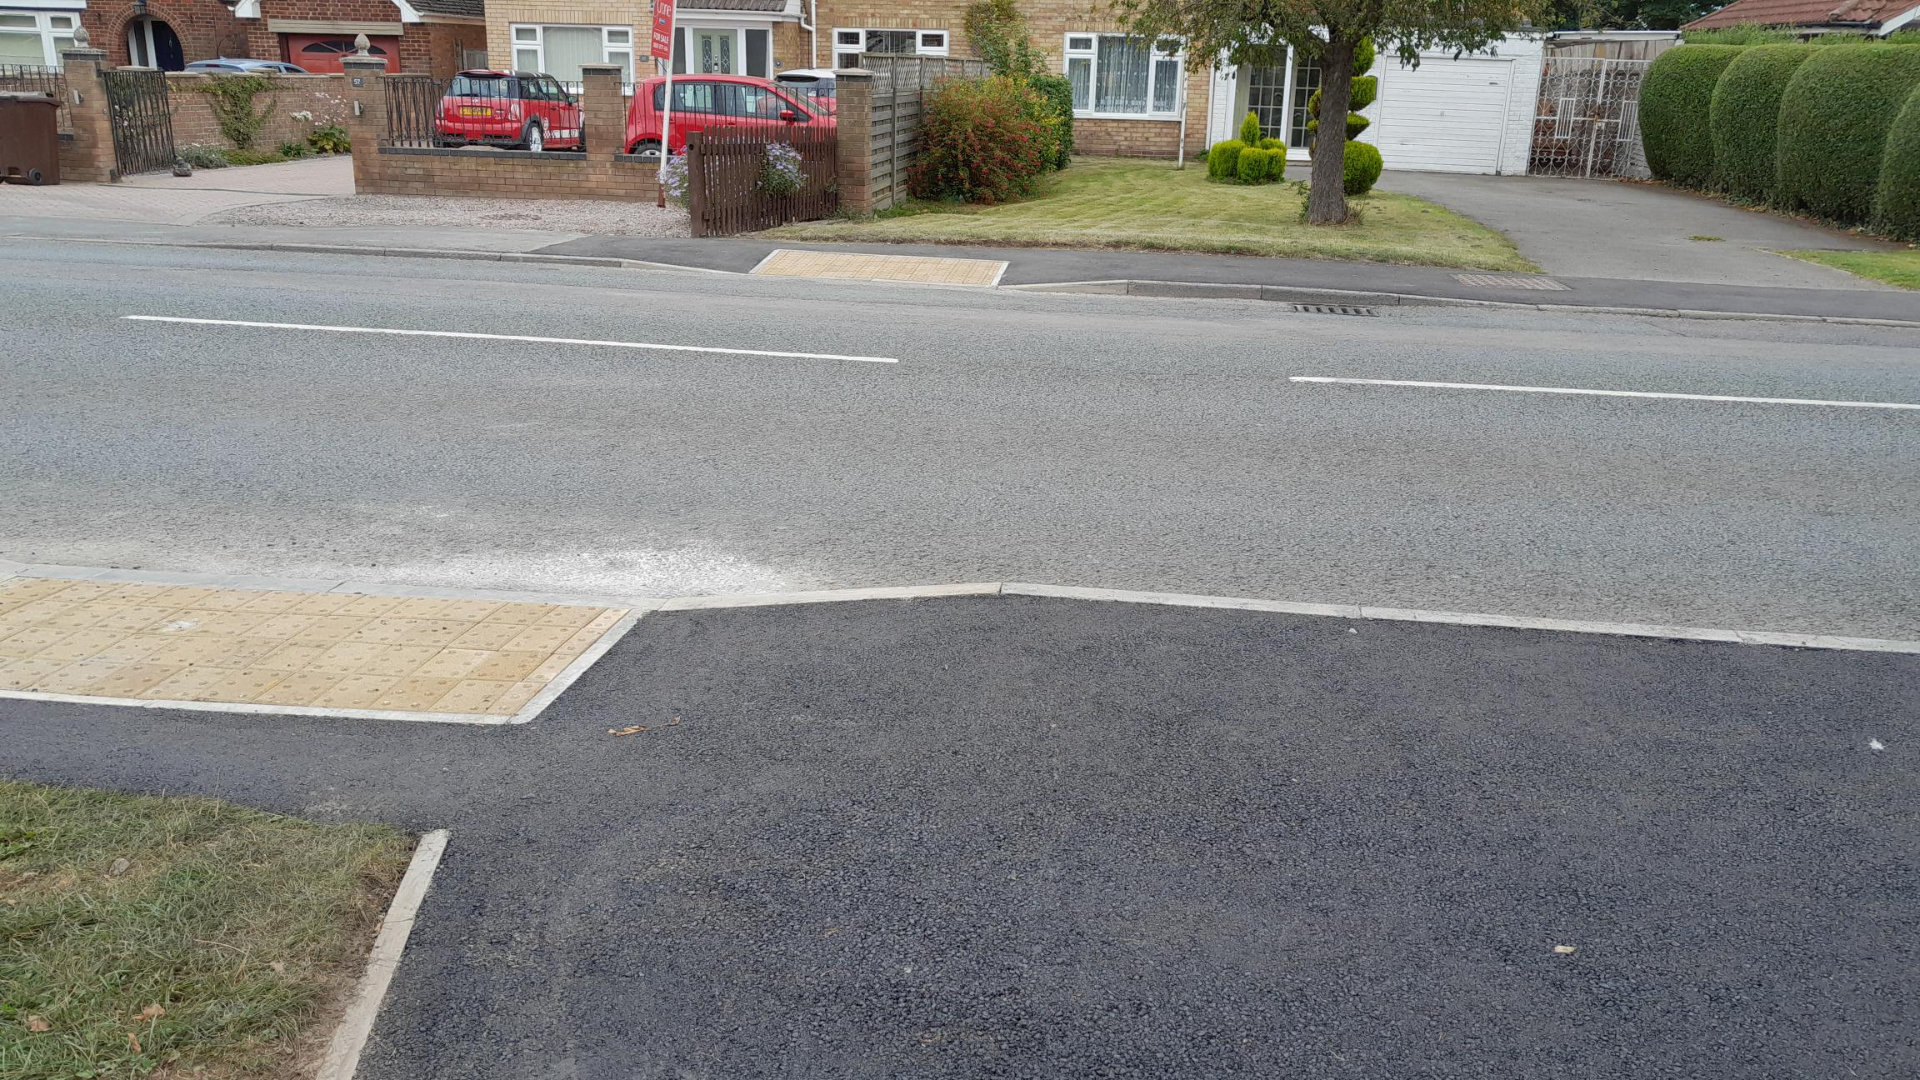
(1676,97)
(1834,120)
(1896,207)
(1361,169)
(1223,159)
(1746,118)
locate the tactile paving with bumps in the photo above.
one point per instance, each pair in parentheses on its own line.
(321,650)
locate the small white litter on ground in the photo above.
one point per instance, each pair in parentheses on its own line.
(1876,744)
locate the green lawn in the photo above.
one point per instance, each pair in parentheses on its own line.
(1900,268)
(223,936)
(1101,202)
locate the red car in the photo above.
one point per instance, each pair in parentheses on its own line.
(701,102)
(521,110)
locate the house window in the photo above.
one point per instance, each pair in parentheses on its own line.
(848,44)
(36,38)
(1306,79)
(1114,75)
(560,51)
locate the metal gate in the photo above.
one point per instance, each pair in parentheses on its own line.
(142,120)
(1588,120)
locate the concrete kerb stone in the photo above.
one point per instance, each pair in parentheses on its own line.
(1306,295)
(342,1059)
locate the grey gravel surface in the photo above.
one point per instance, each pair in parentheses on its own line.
(1030,838)
(424,211)
(1107,441)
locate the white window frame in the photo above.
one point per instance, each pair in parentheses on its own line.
(1091,54)
(43,26)
(854,39)
(533,36)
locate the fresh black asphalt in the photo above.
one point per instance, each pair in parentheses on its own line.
(1039,838)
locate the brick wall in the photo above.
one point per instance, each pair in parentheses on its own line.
(322,96)
(600,174)
(206,28)
(1049,21)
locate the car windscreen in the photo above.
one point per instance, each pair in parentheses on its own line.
(478,86)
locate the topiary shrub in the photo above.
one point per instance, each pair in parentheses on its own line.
(1896,205)
(1745,118)
(1366,88)
(1834,119)
(980,141)
(1250,130)
(1058,92)
(1272,144)
(1223,160)
(1363,165)
(1253,166)
(1676,97)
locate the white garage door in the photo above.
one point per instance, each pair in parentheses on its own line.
(1444,116)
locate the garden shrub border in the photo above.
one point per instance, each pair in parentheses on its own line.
(1676,98)
(1835,118)
(1745,119)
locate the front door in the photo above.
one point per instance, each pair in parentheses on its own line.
(713,52)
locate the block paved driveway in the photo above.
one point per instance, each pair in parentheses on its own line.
(1023,837)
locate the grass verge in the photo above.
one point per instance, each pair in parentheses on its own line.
(209,952)
(1149,205)
(1901,268)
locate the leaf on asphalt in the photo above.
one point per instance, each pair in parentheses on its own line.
(152,1012)
(1566,950)
(630,729)
(38,1023)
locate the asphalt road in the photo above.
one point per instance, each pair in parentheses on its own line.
(1016,837)
(1109,441)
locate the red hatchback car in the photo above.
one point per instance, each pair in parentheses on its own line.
(701,102)
(517,109)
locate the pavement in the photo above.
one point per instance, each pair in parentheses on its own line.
(1123,442)
(1610,245)
(1023,837)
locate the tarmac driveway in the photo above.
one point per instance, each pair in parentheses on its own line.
(987,838)
(1616,229)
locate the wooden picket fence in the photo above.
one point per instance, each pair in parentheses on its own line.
(726,194)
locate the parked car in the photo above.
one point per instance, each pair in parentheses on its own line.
(521,110)
(226,66)
(703,102)
(815,84)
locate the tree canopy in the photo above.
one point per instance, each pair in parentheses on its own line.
(1259,31)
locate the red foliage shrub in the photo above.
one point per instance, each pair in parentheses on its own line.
(982,140)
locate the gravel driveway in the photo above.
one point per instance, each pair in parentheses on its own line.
(413,211)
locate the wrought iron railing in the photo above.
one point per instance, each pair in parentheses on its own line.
(32,79)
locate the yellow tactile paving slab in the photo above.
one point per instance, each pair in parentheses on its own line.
(306,649)
(857,267)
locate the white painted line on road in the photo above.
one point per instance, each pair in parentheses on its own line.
(528,338)
(350,1038)
(1602,393)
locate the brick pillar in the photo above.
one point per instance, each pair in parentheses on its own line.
(603,111)
(853,93)
(88,157)
(366,116)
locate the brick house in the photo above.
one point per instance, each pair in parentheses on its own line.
(437,36)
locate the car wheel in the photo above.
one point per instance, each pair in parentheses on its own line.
(648,149)
(534,140)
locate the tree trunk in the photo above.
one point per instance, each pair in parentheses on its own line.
(1327,201)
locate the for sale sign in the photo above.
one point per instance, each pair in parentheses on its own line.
(663,29)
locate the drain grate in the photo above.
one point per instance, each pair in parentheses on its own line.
(1333,309)
(1510,281)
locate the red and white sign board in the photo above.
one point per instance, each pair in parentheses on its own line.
(663,29)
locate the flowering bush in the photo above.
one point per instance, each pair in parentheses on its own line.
(780,175)
(673,177)
(982,140)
